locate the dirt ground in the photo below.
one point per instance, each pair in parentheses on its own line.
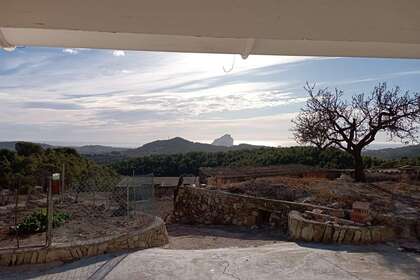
(87,221)
(90,221)
(384,197)
(192,237)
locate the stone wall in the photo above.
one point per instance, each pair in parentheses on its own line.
(309,230)
(153,235)
(206,206)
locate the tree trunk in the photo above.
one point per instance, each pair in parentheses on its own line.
(359,173)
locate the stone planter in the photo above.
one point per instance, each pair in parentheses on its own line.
(153,235)
(308,230)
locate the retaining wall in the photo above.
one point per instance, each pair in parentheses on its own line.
(206,206)
(153,235)
(309,230)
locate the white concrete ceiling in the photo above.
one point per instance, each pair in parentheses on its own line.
(373,28)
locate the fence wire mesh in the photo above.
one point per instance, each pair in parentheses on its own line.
(102,208)
(23,216)
(83,209)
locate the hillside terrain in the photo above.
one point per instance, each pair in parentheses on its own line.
(84,150)
(180,145)
(172,146)
(412,151)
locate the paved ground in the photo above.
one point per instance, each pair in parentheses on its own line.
(212,236)
(223,252)
(286,260)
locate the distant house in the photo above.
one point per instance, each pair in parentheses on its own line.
(165,186)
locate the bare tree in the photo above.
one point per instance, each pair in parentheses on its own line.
(330,119)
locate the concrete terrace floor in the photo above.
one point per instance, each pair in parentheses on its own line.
(283,260)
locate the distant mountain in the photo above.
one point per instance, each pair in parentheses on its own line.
(180,145)
(225,141)
(84,150)
(412,151)
(175,145)
(98,149)
(10,145)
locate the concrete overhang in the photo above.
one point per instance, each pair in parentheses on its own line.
(365,28)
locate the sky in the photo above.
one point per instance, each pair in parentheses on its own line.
(129,98)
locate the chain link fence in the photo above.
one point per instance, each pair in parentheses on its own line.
(98,208)
(24,212)
(87,208)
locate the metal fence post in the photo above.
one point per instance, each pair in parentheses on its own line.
(62,186)
(128,200)
(17,211)
(49,213)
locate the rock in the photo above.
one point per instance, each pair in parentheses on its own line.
(318,232)
(42,254)
(5,259)
(307,232)
(27,257)
(357,236)
(328,234)
(225,141)
(341,235)
(376,235)
(366,238)
(20,258)
(348,237)
(336,234)
(34,257)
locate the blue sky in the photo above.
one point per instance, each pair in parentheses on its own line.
(127,98)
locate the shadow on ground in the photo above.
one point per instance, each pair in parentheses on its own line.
(192,237)
(81,269)
(390,255)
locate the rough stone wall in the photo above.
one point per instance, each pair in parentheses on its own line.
(309,230)
(205,206)
(153,236)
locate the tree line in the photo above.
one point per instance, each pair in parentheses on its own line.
(189,163)
(30,165)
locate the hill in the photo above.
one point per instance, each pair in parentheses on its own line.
(98,149)
(180,145)
(84,150)
(10,145)
(412,151)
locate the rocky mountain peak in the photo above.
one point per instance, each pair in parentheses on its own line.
(225,141)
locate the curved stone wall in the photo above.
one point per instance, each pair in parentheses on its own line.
(205,206)
(309,230)
(153,235)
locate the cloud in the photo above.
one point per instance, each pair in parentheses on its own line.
(71,51)
(51,105)
(118,53)
(160,95)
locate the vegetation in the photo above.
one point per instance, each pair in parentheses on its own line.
(30,165)
(38,222)
(189,163)
(411,151)
(331,120)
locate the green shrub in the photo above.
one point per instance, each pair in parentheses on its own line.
(38,222)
